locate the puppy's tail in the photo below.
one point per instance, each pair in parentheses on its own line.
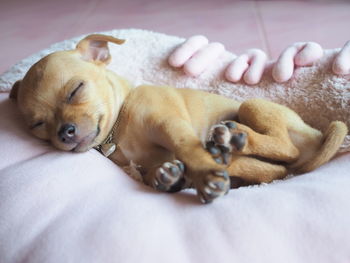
(331,143)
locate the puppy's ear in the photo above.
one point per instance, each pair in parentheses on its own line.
(14,90)
(94,48)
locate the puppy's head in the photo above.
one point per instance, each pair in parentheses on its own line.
(69,98)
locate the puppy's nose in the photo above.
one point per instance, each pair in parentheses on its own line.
(67,133)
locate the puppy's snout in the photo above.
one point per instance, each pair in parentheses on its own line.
(67,133)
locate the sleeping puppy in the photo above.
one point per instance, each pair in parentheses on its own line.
(179,137)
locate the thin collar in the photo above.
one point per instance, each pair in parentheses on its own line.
(108,145)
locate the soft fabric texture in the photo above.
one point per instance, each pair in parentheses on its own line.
(68,207)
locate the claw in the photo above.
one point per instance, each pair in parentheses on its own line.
(165,179)
(169,177)
(212,186)
(155,182)
(203,199)
(207,190)
(223,174)
(180,165)
(167,165)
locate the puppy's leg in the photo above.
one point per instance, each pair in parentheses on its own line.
(245,170)
(227,145)
(167,177)
(209,178)
(263,132)
(268,133)
(231,138)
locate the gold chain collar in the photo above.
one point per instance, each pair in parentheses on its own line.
(107,147)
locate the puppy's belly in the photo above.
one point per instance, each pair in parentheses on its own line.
(149,154)
(145,154)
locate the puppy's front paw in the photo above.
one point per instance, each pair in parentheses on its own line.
(224,139)
(212,186)
(169,177)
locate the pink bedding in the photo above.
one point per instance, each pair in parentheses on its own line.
(68,207)
(65,207)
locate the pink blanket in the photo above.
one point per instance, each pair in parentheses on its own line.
(64,207)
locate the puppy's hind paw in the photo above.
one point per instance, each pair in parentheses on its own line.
(169,177)
(225,139)
(212,186)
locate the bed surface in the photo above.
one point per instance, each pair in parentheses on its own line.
(68,207)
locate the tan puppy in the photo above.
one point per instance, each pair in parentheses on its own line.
(179,137)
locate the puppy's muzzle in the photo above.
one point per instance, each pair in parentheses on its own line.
(67,133)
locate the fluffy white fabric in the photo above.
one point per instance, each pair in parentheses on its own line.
(65,207)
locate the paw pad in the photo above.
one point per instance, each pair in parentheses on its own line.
(212,186)
(224,139)
(169,176)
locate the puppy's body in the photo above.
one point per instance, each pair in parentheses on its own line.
(148,109)
(71,99)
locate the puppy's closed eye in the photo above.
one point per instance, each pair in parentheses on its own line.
(75,91)
(37,124)
(39,129)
